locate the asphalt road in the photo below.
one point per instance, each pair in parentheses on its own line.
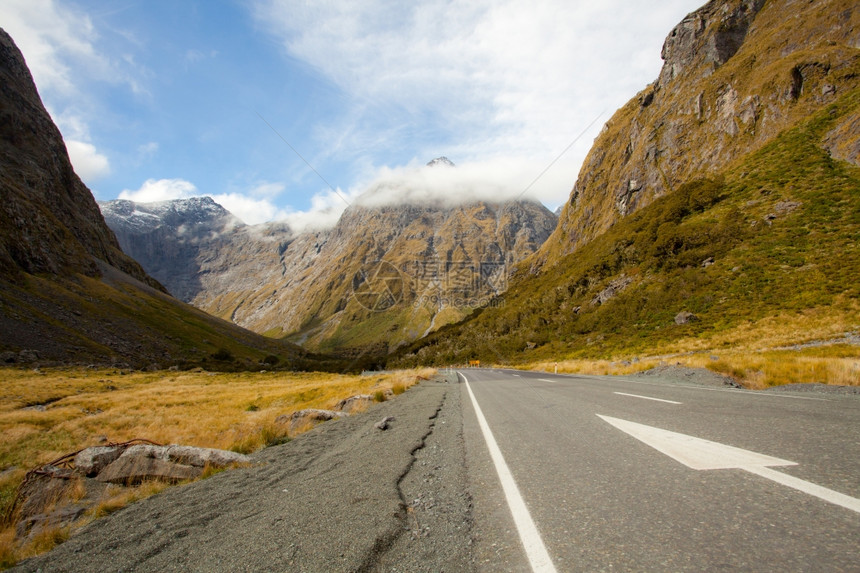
(601,499)
(595,482)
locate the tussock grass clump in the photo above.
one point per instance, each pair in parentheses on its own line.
(839,365)
(596,367)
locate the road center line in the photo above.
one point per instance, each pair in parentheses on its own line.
(646,397)
(535,549)
(816,490)
(547,380)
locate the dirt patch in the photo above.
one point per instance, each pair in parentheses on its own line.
(701,376)
(816,387)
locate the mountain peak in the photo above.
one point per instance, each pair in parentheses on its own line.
(443,161)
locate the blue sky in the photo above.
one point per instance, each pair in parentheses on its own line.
(165,99)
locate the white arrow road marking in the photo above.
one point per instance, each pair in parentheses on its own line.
(646,397)
(700,454)
(532,542)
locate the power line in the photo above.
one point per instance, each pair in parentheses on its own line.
(330,186)
(575,139)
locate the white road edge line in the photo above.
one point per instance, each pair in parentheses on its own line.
(535,549)
(647,397)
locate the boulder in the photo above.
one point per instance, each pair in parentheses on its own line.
(785,207)
(202,457)
(307,418)
(685,317)
(354,403)
(91,461)
(170,463)
(384,423)
(139,467)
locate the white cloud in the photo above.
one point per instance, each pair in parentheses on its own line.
(325,210)
(249,209)
(89,164)
(495,180)
(502,80)
(267,190)
(161,190)
(147,150)
(50,36)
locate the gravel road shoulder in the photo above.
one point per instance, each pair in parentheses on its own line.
(343,497)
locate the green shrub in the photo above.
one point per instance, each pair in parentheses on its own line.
(223,355)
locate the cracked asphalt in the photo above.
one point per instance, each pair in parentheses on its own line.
(342,497)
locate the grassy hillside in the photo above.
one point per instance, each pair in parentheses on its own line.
(118,320)
(765,252)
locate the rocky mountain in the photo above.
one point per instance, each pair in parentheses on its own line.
(168,237)
(68,293)
(720,206)
(383,276)
(440,161)
(736,74)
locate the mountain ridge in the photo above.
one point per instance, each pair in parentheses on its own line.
(277,281)
(68,293)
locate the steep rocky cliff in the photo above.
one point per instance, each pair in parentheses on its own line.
(736,73)
(442,262)
(67,291)
(49,221)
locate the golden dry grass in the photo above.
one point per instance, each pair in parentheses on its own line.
(837,364)
(45,414)
(596,367)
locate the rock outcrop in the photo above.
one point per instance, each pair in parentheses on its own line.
(736,73)
(302,420)
(57,494)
